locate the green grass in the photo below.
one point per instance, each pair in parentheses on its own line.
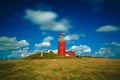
(60,69)
(45,56)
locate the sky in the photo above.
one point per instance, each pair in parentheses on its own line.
(90,27)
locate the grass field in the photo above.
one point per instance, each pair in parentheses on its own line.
(60,69)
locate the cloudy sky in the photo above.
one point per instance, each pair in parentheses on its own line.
(90,27)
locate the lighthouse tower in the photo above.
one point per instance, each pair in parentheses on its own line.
(61,46)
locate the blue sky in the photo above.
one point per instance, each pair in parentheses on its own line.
(90,27)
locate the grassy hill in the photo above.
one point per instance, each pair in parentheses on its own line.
(60,69)
(45,56)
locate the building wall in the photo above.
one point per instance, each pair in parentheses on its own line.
(71,54)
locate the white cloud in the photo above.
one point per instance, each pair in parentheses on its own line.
(108,28)
(47,39)
(19,53)
(23,43)
(7,43)
(59,26)
(72,37)
(44,33)
(81,49)
(39,16)
(111,50)
(116,44)
(43,44)
(113,44)
(46,42)
(105,52)
(55,26)
(47,20)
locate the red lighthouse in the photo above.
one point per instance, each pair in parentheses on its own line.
(61,46)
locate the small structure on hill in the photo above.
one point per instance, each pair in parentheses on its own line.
(51,52)
(70,54)
(41,54)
